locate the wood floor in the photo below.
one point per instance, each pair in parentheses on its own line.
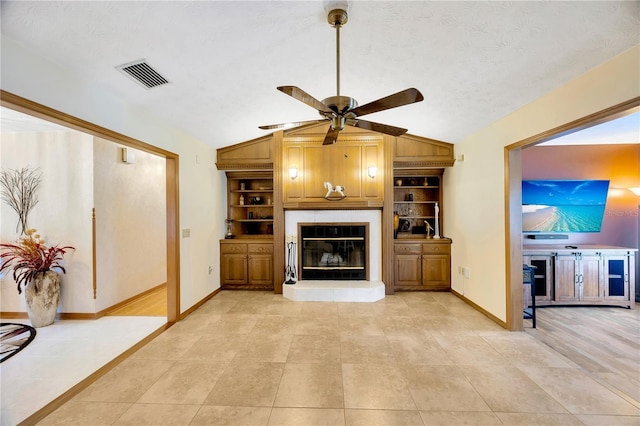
(151,304)
(603,341)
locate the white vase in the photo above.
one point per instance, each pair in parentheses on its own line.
(43,295)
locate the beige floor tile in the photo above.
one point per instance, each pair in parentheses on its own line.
(86,413)
(195,324)
(579,393)
(306,417)
(524,351)
(167,346)
(596,420)
(399,308)
(365,350)
(276,324)
(359,326)
(403,326)
(127,382)
(158,415)
(248,307)
(469,350)
(457,418)
(311,385)
(541,419)
(319,309)
(317,326)
(418,349)
(215,306)
(382,418)
(210,415)
(221,347)
(314,349)
(236,324)
(508,389)
(247,384)
(186,382)
(375,386)
(355,309)
(266,347)
(283,307)
(442,388)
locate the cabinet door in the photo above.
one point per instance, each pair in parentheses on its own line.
(435,272)
(543,277)
(234,269)
(590,278)
(616,278)
(261,269)
(408,270)
(566,278)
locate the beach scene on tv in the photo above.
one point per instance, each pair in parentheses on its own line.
(563,205)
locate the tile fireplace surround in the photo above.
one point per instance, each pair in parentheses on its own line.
(339,291)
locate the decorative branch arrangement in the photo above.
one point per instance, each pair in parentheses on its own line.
(18,190)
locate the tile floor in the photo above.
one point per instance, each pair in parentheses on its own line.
(255,358)
(62,355)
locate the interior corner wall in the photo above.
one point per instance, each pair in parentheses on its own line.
(202,188)
(63,213)
(475,188)
(130,217)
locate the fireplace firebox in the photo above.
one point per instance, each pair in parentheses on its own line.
(332,251)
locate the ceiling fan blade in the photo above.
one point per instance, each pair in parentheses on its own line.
(377,127)
(289,125)
(302,96)
(404,97)
(331,137)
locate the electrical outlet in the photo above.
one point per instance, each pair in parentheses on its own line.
(466,272)
(459,270)
(186,233)
(210,269)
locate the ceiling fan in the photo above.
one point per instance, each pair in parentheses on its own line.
(344,110)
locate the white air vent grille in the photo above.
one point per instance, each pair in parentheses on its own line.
(142,73)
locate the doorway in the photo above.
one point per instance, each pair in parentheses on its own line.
(513,174)
(25,106)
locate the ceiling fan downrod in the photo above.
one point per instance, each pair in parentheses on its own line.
(337,18)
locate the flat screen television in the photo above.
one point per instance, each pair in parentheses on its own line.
(563,205)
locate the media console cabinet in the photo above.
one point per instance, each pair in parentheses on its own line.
(582,274)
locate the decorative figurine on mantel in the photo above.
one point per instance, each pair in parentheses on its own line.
(436,234)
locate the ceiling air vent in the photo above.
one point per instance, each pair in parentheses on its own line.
(142,73)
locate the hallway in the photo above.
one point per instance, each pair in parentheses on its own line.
(412,358)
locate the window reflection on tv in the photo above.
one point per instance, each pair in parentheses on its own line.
(563,205)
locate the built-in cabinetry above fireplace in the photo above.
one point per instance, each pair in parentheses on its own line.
(360,172)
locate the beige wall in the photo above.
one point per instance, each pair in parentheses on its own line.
(129,199)
(475,188)
(63,214)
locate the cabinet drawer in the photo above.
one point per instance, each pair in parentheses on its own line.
(233,248)
(261,248)
(436,248)
(408,248)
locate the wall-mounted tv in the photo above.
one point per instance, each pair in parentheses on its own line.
(563,205)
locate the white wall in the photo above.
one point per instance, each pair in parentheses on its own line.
(475,188)
(201,186)
(63,213)
(130,203)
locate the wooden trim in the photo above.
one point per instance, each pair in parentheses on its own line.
(94,259)
(75,390)
(513,173)
(334,205)
(35,109)
(480,309)
(279,237)
(200,303)
(419,164)
(59,315)
(388,259)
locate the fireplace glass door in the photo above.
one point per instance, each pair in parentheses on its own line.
(333,251)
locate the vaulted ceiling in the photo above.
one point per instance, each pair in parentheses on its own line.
(474,62)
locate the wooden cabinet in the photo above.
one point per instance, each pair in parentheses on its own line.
(417,198)
(588,275)
(423,265)
(250,204)
(246,265)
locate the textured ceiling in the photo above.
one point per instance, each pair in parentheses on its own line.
(474,62)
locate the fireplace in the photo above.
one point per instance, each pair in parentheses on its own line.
(333,251)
